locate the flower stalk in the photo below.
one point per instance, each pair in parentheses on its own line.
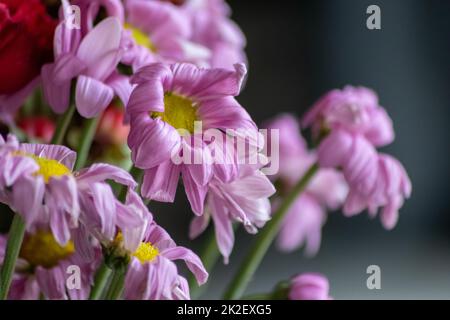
(87,136)
(265,238)
(63,125)
(100,281)
(16,234)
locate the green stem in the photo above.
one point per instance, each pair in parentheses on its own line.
(137,175)
(63,125)
(87,136)
(117,284)
(100,281)
(13,246)
(264,239)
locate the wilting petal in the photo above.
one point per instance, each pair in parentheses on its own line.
(192,261)
(92,96)
(195,193)
(160,183)
(59,153)
(100,172)
(148,134)
(99,48)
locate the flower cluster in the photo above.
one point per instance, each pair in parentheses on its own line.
(146,93)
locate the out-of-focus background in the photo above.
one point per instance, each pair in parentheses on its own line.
(298,50)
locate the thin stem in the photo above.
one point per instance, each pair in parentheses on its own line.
(117,284)
(63,125)
(100,281)
(264,239)
(15,238)
(87,136)
(137,175)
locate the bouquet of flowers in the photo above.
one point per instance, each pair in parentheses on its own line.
(107,105)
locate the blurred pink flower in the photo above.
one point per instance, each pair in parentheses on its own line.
(213,29)
(327,190)
(355,124)
(42,268)
(91,59)
(355,109)
(309,286)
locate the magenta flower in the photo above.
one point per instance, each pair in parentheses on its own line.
(91,59)
(243,200)
(309,286)
(37,181)
(152,273)
(163,109)
(43,265)
(354,124)
(327,190)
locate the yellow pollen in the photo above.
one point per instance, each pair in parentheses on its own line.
(179,112)
(41,249)
(146,252)
(140,37)
(50,168)
(47,167)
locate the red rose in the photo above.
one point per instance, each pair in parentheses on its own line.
(26,42)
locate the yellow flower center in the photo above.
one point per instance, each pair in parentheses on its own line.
(50,168)
(140,37)
(41,249)
(47,167)
(146,252)
(180,112)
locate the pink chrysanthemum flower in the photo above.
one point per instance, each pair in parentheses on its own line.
(163,109)
(213,29)
(327,190)
(37,181)
(355,109)
(152,273)
(309,286)
(375,180)
(43,267)
(161,33)
(352,124)
(92,60)
(244,199)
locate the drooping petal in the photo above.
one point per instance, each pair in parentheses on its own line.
(192,261)
(92,96)
(100,172)
(59,153)
(147,135)
(99,49)
(160,183)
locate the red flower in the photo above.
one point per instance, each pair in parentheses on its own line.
(38,128)
(26,42)
(111,128)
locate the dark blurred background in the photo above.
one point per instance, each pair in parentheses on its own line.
(298,50)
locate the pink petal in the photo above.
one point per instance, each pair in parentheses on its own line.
(92,96)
